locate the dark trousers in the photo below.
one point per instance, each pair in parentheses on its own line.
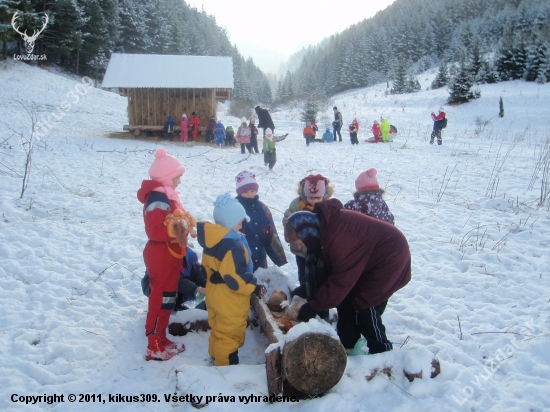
(309,139)
(353,138)
(247,145)
(270,158)
(254,144)
(209,136)
(230,139)
(436,133)
(368,322)
(337,130)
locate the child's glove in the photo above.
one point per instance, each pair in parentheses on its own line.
(190,221)
(260,291)
(306,313)
(180,232)
(181,220)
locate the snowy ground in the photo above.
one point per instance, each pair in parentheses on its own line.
(70,250)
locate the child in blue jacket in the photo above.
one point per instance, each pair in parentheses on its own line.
(327,136)
(260,232)
(219,132)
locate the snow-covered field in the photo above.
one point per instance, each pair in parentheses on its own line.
(72,310)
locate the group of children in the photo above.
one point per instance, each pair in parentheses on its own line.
(381,131)
(186,126)
(234,247)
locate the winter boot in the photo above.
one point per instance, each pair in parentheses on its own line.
(173,346)
(156,350)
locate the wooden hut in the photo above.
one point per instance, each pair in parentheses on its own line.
(161,85)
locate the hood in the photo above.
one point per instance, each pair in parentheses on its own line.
(329,191)
(146,187)
(169,118)
(328,209)
(210,234)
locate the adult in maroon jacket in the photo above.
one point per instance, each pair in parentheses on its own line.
(364,261)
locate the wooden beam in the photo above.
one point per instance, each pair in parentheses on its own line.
(148,109)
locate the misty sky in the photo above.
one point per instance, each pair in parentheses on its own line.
(270,31)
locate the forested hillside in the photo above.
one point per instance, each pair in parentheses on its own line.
(497,39)
(82,34)
(492,40)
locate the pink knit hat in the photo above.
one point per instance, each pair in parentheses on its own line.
(315,185)
(165,167)
(367,180)
(246,181)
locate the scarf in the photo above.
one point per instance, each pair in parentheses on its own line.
(242,239)
(171,194)
(307,228)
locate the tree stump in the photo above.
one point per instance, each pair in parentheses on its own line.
(314,363)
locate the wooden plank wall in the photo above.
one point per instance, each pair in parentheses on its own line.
(151,107)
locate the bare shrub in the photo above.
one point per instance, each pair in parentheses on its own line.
(542,166)
(481,123)
(27,141)
(240,108)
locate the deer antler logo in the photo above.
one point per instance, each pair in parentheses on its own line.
(29,40)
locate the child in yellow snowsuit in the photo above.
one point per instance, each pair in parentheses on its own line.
(230,282)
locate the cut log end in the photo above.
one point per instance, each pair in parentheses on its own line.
(276,299)
(314,363)
(182,329)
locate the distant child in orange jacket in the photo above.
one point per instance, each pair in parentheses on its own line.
(353,130)
(309,134)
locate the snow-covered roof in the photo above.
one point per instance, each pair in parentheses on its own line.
(157,70)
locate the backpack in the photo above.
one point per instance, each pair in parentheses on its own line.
(444,122)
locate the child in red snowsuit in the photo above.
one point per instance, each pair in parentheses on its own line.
(164,252)
(194,124)
(353,130)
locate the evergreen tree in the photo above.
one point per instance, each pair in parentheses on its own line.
(400,78)
(442,77)
(460,90)
(413,85)
(95,38)
(66,30)
(279,93)
(476,61)
(309,112)
(7,8)
(537,65)
(133,28)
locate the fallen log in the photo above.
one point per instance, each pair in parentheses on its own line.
(309,364)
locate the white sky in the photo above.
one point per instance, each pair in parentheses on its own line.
(270,31)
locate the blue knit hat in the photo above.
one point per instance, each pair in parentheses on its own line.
(228,211)
(307,226)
